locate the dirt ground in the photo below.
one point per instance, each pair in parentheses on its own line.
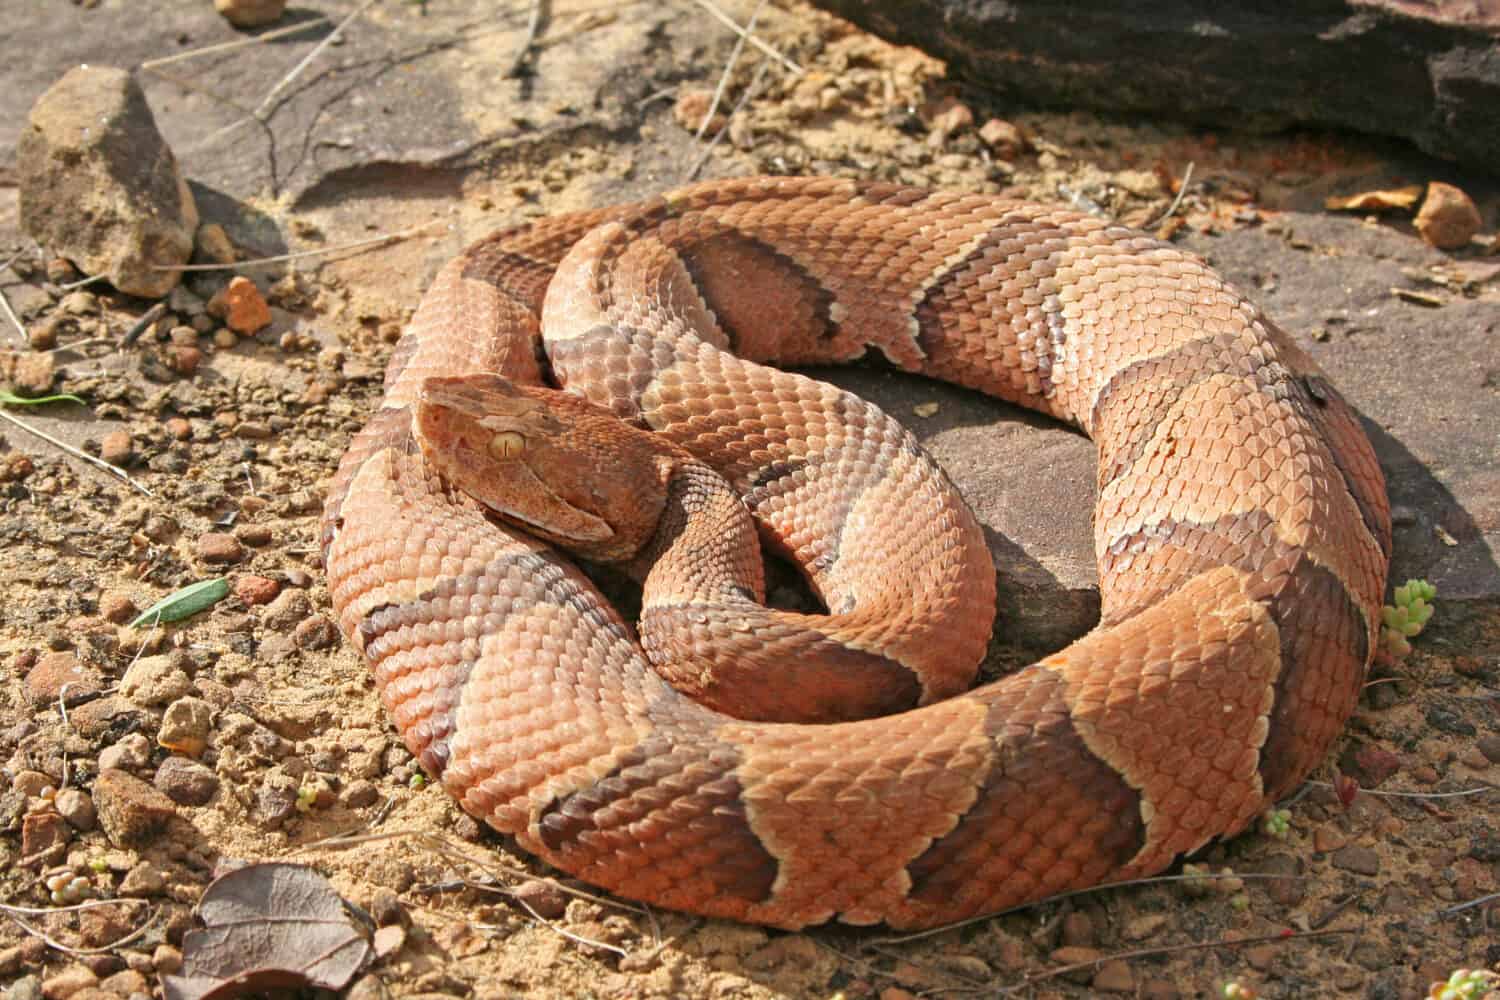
(291,747)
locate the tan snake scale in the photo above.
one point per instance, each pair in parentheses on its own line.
(1241,527)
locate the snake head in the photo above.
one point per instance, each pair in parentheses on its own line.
(545,461)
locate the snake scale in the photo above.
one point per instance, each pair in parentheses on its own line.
(1241,529)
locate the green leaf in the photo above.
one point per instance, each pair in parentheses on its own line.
(190,600)
(11,399)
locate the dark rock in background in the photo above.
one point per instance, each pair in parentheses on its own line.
(1428,72)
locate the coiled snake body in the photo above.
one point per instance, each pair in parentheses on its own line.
(1242,534)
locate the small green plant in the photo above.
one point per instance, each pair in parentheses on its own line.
(1236,990)
(417,782)
(1277,823)
(1407,616)
(67,888)
(1465,984)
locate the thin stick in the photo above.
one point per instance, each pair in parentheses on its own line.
(533,24)
(58,945)
(92,904)
(10,313)
(238,43)
(1418,795)
(1458,908)
(137,328)
(1175,949)
(85,456)
(82,282)
(734,26)
(317,51)
(300,254)
(1187,175)
(734,57)
(760,72)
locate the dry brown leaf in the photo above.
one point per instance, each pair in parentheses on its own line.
(268,926)
(1392,200)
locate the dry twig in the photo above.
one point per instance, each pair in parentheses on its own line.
(733,25)
(301,254)
(76,453)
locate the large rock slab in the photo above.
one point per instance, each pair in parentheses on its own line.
(1428,72)
(100,187)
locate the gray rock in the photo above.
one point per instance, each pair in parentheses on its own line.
(1383,66)
(99,186)
(186,781)
(132,751)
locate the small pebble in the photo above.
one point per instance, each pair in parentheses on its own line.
(225,339)
(132,751)
(62,985)
(186,726)
(218,548)
(130,811)
(249,14)
(166,959)
(116,448)
(543,896)
(360,793)
(155,680)
(186,782)
(287,610)
(57,673)
(241,306)
(179,428)
(254,590)
(1448,219)
(1004,139)
(117,607)
(77,808)
(34,374)
(60,271)
(1114,976)
(80,303)
(316,632)
(183,360)
(255,535)
(1357,859)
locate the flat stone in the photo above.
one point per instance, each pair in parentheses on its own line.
(155,680)
(46,682)
(130,811)
(99,185)
(255,590)
(42,831)
(1114,976)
(1357,859)
(218,548)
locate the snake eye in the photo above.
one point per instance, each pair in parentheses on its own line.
(507,444)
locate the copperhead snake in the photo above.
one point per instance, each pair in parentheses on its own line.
(1241,527)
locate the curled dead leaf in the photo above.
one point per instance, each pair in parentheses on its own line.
(1390,200)
(268,926)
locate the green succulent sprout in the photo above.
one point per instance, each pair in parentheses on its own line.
(1278,823)
(1408,616)
(1465,984)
